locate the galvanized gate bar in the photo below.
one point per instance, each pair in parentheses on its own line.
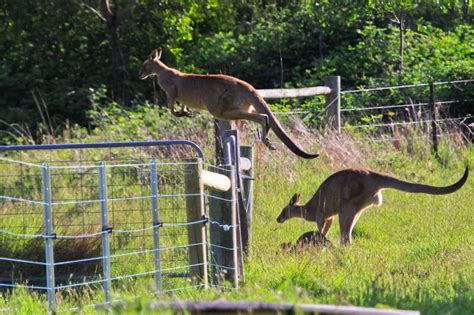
(99,145)
(106,229)
(49,239)
(156,222)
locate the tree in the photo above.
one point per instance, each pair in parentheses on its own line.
(112,21)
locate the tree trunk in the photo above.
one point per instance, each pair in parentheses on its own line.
(116,78)
(402,40)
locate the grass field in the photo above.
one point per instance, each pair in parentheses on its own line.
(413,252)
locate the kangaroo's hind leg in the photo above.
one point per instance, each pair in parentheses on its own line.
(261,119)
(347,219)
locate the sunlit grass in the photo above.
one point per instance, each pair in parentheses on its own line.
(413,252)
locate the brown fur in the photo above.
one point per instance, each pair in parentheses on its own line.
(348,193)
(225,97)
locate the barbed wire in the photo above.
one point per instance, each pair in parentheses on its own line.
(405,86)
(405,123)
(395,106)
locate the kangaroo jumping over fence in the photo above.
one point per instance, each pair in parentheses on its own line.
(348,193)
(225,97)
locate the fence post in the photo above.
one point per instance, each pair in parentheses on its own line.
(232,156)
(106,229)
(194,190)
(224,244)
(234,159)
(333,102)
(248,177)
(156,223)
(434,118)
(220,127)
(49,239)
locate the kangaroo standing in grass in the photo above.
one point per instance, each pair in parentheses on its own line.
(225,97)
(348,193)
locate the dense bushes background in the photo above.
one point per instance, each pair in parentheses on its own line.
(57,54)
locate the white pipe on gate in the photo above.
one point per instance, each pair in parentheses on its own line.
(245,164)
(215,181)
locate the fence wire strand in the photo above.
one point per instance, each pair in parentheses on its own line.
(171,225)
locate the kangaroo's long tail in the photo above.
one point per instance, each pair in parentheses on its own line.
(262,107)
(390,182)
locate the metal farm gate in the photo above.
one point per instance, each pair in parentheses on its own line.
(75,217)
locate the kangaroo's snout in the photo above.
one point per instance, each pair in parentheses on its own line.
(281,218)
(141,74)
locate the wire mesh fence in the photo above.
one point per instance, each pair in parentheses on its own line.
(102,218)
(385,113)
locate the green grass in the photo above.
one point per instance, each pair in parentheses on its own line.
(413,252)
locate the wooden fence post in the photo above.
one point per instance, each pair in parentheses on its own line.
(194,189)
(434,118)
(333,102)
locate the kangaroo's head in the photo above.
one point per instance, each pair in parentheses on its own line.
(291,210)
(149,65)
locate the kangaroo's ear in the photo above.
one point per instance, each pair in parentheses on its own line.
(157,54)
(295,199)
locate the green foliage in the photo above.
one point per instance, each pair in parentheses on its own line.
(62,49)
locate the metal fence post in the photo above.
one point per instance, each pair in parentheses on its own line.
(49,239)
(106,274)
(156,222)
(232,148)
(247,179)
